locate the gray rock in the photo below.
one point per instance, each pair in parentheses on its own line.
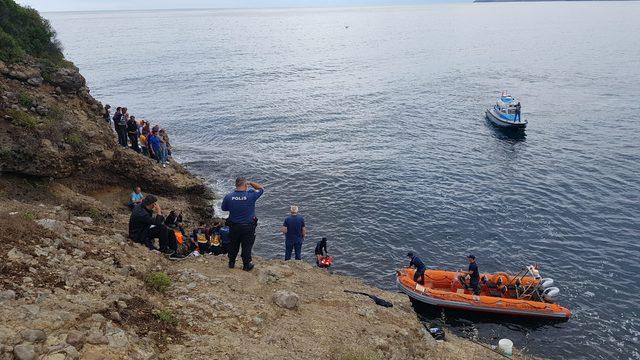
(84,219)
(267,276)
(68,80)
(51,224)
(72,352)
(33,335)
(24,352)
(118,340)
(7,295)
(76,339)
(96,337)
(35,81)
(42,110)
(286,299)
(115,316)
(56,356)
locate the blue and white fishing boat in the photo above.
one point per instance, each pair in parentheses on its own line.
(503,114)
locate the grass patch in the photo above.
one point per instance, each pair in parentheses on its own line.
(28,215)
(158,281)
(75,141)
(96,215)
(22,119)
(166,316)
(25,100)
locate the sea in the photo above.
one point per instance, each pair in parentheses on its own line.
(371,119)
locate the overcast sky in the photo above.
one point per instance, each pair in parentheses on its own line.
(82,5)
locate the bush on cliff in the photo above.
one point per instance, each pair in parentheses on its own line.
(158,281)
(24,32)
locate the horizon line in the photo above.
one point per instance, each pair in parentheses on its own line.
(435,2)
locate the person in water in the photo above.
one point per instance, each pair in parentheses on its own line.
(517,117)
(321,250)
(416,262)
(294,231)
(242,221)
(474,275)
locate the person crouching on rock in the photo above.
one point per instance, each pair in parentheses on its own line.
(215,234)
(147,223)
(294,231)
(416,262)
(242,221)
(321,250)
(200,240)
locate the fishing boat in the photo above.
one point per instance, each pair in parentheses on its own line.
(525,294)
(503,113)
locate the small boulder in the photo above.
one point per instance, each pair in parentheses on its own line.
(96,337)
(84,219)
(33,335)
(24,351)
(51,224)
(286,299)
(68,80)
(7,295)
(35,81)
(76,339)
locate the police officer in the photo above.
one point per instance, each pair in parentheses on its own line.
(242,221)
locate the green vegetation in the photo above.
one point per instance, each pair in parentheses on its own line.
(23,119)
(75,140)
(25,100)
(24,32)
(28,216)
(157,281)
(166,316)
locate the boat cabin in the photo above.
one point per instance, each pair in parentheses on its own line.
(506,104)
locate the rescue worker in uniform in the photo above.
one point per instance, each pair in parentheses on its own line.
(242,221)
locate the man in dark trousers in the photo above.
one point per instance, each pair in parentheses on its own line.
(415,261)
(294,231)
(474,275)
(517,117)
(242,221)
(147,223)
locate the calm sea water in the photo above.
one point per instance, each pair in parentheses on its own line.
(371,120)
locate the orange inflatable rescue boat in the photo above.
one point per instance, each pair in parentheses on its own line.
(525,294)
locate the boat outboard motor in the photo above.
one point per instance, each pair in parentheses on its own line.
(549,294)
(546,283)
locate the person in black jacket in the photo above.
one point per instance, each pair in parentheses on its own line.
(132,133)
(321,250)
(420,268)
(147,223)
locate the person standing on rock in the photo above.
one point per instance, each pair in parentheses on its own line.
(242,221)
(294,231)
(120,122)
(106,115)
(132,133)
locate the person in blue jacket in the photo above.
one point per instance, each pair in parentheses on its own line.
(294,231)
(242,221)
(416,262)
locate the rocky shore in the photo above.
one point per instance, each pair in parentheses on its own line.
(72,286)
